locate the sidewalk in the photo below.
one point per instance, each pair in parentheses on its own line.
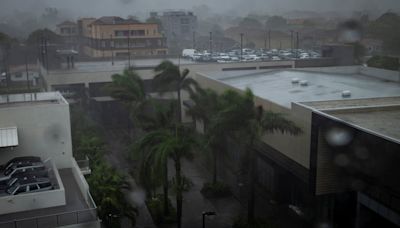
(194,203)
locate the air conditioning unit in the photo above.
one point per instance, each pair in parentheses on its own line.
(304,83)
(346,93)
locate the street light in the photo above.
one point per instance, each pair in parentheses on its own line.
(207,213)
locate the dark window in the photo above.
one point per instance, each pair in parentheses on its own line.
(21,189)
(33,187)
(44,185)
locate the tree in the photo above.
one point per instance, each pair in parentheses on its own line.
(249,123)
(106,186)
(276,22)
(386,28)
(151,166)
(205,108)
(177,144)
(249,22)
(128,87)
(169,77)
(36,37)
(384,62)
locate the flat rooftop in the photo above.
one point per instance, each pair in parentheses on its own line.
(74,202)
(379,115)
(14,100)
(276,85)
(383,122)
(106,66)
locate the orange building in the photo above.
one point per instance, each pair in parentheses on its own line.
(115,36)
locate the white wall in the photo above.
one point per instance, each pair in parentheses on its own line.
(44,130)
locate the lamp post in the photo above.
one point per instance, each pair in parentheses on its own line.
(207,213)
(241,47)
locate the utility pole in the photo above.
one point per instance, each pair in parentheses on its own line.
(297,41)
(129,50)
(211,43)
(241,46)
(269,39)
(265,40)
(194,40)
(112,49)
(27,73)
(291,41)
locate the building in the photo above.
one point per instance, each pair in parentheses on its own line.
(38,124)
(179,28)
(67,28)
(115,36)
(342,170)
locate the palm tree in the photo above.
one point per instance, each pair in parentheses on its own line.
(177,144)
(107,187)
(128,87)
(169,77)
(151,166)
(251,124)
(206,107)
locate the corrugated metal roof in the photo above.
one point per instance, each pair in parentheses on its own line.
(8,137)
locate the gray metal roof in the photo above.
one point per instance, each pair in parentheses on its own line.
(277,86)
(8,137)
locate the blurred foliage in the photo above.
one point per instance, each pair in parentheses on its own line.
(384,62)
(250,23)
(387,28)
(156,209)
(276,22)
(36,37)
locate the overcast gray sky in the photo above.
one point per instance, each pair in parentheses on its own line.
(125,7)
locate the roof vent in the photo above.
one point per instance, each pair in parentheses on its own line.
(346,93)
(304,83)
(295,80)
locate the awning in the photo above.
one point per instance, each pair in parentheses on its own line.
(8,137)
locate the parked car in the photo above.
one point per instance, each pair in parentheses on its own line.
(23,176)
(29,185)
(20,168)
(20,160)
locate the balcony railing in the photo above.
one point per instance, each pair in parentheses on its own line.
(84,165)
(55,220)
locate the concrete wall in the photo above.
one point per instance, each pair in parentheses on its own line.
(322,62)
(44,130)
(383,74)
(37,200)
(80,180)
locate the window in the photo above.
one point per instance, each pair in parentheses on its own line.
(33,187)
(44,185)
(185,21)
(119,33)
(137,32)
(21,189)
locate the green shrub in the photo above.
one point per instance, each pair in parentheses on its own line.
(384,62)
(211,190)
(156,209)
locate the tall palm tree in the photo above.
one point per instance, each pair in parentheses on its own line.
(151,166)
(254,122)
(206,107)
(128,87)
(176,144)
(169,77)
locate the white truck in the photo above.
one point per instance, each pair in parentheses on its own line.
(189,53)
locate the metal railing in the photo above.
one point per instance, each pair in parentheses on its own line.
(84,165)
(55,220)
